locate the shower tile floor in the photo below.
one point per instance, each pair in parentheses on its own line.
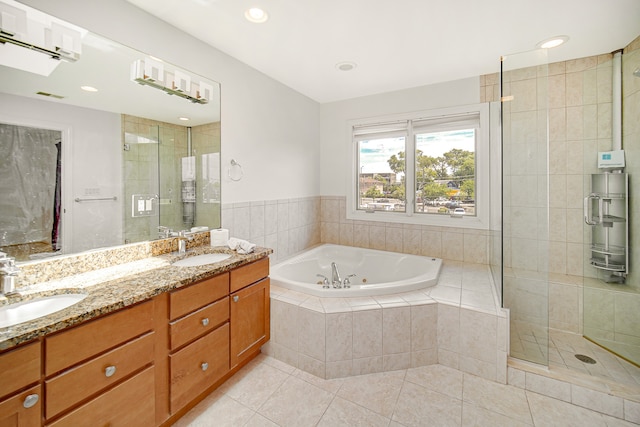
(528,342)
(268,392)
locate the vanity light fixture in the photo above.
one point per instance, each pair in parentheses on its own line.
(256,15)
(152,73)
(346,66)
(60,41)
(552,42)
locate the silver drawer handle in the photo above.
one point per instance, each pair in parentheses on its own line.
(236,298)
(205,321)
(109,371)
(204,366)
(30,400)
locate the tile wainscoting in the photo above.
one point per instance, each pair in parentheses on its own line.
(289,226)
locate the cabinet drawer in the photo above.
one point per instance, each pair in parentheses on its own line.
(191,298)
(83,342)
(248,274)
(20,367)
(189,375)
(13,411)
(76,384)
(199,322)
(131,403)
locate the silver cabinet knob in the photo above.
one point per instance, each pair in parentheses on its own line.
(30,400)
(204,366)
(236,298)
(205,321)
(109,371)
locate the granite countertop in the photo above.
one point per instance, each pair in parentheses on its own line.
(115,287)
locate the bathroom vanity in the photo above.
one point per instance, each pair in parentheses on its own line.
(145,364)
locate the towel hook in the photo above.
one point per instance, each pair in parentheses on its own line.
(238,174)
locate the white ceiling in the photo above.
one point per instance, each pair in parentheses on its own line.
(397,44)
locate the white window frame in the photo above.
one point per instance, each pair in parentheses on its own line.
(479,221)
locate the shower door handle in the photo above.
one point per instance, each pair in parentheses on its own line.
(587,209)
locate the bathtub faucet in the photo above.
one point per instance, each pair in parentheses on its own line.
(335,276)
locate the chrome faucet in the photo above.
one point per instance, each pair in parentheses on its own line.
(8,274)
(183,237)
(335,276)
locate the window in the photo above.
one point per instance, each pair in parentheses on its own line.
(421,168)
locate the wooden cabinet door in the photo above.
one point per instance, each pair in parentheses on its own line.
(19,368)
(250,320)
(22,410)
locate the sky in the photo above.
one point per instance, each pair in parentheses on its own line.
(375,153)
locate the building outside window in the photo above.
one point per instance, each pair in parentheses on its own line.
(422,168)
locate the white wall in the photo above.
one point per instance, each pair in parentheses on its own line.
(335,141)
(271,130)
(95,155)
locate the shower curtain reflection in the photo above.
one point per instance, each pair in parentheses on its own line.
(30,180)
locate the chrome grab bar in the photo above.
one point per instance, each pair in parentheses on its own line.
(78,199)
(587,209)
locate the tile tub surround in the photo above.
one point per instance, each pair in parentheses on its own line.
(456,323)
(115,287)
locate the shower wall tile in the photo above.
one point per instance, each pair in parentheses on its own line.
(565,316)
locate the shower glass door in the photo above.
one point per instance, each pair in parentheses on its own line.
(141,182)
(611,309)
(525,202)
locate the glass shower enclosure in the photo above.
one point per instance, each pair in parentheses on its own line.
(526,203)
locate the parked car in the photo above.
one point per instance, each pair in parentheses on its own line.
(458,212)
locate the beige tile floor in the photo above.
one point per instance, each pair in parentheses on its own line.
(268,392)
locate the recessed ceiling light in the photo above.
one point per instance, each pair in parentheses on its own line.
(346,66)
(552,42)
(184,119)
(89,88)
(256,15)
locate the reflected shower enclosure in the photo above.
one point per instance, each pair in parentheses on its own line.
(172,173)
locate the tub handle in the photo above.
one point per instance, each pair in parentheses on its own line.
(325,281)
(346,283)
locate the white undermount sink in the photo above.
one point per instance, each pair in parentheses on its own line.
(29,310)
(198,260)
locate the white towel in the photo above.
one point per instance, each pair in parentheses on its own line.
(241,246)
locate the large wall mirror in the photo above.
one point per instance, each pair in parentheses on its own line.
(100,144)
